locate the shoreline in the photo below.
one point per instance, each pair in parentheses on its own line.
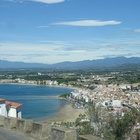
(57,86)
(66,114)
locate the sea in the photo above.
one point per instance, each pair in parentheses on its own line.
(38,102)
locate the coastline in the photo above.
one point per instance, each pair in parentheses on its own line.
(66,114)
(57,86)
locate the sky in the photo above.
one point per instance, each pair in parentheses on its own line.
(52,31)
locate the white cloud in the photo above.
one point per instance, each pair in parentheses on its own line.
(49,1)
(58,51)
(41,1)
(19,1)
(88,23)
(43,26)
(137,30)
(39,52)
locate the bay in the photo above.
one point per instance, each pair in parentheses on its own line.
(38,102)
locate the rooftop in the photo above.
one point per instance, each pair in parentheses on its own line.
(13,104)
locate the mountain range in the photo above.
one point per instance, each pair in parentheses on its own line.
(107,62)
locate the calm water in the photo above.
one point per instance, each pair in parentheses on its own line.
(38,101)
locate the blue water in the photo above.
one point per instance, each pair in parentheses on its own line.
(38,102)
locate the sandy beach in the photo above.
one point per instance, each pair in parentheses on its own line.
(67,114)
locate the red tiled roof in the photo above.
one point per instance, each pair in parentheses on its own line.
(13,104)
(16,105)
(7,102)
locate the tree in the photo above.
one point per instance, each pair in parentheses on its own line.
(123,126)
(83,125)
(93,112)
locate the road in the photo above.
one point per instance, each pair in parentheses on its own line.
(9,135)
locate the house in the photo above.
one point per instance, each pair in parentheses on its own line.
(10,109)
(3,111)
(116,103)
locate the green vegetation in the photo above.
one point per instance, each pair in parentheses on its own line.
(115,127)
(65,95)
(87,78)
(121,127)
(83,125)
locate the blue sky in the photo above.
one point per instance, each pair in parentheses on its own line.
(52,31)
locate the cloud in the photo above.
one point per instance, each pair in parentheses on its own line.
(39,52)
(45,51)
(80,48)
(88,23)
(41,1)
(119,55)
(43,26)
(19,1)
(49,1)
(137,30)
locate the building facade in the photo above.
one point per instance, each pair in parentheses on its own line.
(10,109)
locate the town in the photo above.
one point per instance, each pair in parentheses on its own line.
(111,92)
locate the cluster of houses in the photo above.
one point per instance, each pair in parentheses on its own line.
(111,101)
(10,109)
(30,82)
(111,96)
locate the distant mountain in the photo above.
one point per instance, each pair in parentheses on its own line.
(108,62)
(9,64)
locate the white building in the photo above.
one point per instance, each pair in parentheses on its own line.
(116,103)
(10,109)
(3,110)
(74,94)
